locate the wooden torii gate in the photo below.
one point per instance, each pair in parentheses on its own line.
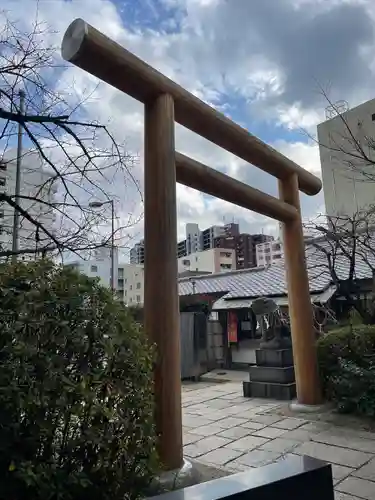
(166,102)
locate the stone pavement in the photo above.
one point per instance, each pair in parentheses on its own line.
(225,430)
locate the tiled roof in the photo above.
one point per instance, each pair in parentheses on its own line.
(270,281)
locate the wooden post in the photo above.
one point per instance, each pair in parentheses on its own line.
(161,304)
(300,309)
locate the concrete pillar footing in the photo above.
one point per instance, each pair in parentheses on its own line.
(302,408)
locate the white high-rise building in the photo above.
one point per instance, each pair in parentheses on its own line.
(137,253)
(193,238)
(347,187)
(269,252)
(36,196)
(99,266)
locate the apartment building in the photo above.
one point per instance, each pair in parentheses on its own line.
(244,246)
(137,253)
(346,174)
(34,183)
(269,252)
(214,260)
(195,241)
(131,284)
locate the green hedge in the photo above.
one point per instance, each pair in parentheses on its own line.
(347,367)
(76,392)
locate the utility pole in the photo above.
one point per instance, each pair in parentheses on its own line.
(16,214)
(113,247)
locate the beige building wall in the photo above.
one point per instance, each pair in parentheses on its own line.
(347,189)
(214,260)
(131,284)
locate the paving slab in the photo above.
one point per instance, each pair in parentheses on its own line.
(269,432)
(352,433)
(266,419)
(298,435)
(247,443)
(190,437)
(359,444)
(235,432)
(221,456)
(208,430)
(344,496)
(229,422)
(340,472)
(215,415)
(280,445)
(333,454)
(233,397)
(235,467)
(289,423)
(219,403)
(367,471)
(315,427)
(205,445)
(240,410)
(357,487)
(253,425)
(194,421)
(258,458)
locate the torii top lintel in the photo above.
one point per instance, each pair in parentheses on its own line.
(94,52)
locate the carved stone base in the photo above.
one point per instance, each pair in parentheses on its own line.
(282,392)
(276,344)
(273,376)
(276,374)
(274,357)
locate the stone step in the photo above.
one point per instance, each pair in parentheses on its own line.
(272,374)
(274,357)
(283,392)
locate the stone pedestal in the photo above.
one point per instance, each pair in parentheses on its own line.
(272,376)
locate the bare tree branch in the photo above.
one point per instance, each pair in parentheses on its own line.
(81,160)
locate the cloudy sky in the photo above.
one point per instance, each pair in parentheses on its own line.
(261,62)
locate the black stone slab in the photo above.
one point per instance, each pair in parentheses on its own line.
(292,478)
(274,357)
(272,374)
(283,392)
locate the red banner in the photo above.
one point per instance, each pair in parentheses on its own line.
(232,327)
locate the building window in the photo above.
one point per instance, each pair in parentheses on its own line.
(138,286)
(225,266)
(1,214)
(277,247)
(3,166)
(125,293)
(94,269)
(138,298)
(225,254)
(186,262)
(120,272)
(126,280)
(131,287)
(2,181)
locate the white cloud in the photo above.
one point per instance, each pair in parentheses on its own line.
(212,56)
